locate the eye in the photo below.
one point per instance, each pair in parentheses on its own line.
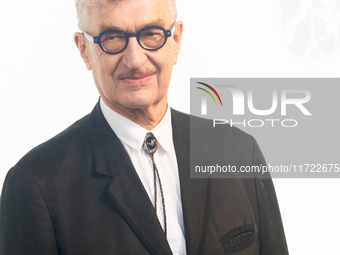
(152,34)
(113,42)
(152,38)
(112,37)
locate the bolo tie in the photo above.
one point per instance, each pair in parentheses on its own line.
(150,146)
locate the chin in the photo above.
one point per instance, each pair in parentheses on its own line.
(139,105)
(140,98)
(136,103)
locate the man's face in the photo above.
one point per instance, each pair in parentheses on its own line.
(135,78)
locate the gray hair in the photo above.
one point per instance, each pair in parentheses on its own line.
(82,6)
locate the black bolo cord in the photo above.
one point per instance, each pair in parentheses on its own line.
(150,146)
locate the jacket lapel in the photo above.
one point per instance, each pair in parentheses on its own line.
(194,192)
(125,189)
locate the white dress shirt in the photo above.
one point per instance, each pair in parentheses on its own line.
(132,137)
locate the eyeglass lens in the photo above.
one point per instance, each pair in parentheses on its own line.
(152,38)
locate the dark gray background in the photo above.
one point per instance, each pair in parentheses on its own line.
(315,140)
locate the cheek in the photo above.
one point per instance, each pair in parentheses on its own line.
(166,65)
(104,69)
(103,79)
(167,71)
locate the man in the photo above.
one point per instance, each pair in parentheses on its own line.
(117,181)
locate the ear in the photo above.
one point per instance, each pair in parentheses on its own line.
(80,42)
(177,37)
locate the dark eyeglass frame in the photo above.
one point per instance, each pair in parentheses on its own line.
(97,39)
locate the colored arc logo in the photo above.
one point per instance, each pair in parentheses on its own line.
(212,89)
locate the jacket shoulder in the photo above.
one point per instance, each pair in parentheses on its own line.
(205,128)
(57,150)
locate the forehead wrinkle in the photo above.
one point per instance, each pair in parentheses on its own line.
(158,22)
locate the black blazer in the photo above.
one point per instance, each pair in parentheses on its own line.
(78,193)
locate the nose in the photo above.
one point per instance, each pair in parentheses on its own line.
(134,55)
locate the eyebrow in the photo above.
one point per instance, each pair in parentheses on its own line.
(158,22)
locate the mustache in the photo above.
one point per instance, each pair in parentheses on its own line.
(132,72)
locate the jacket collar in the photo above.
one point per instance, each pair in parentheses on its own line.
(128,194)
(194,192)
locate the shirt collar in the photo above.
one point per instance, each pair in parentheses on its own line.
(133,134)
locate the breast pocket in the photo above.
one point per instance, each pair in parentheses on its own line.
(238,239)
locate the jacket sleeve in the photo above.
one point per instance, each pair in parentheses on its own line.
(25,223)
(271,232)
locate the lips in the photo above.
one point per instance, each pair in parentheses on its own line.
(136,79)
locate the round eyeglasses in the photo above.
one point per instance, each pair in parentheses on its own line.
(114,42)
